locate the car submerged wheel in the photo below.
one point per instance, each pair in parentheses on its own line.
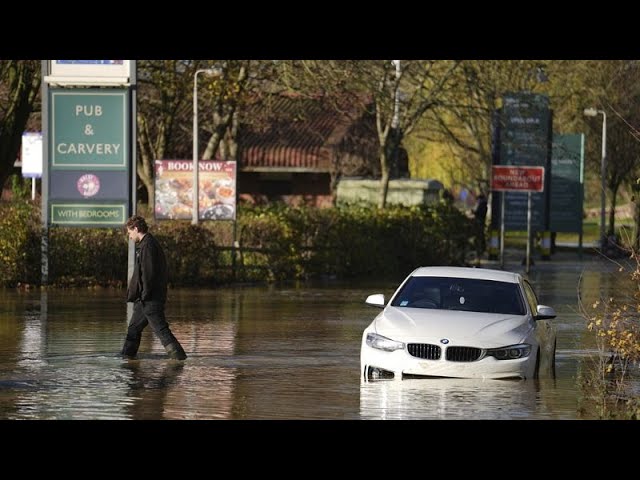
(536,372)
(546,366)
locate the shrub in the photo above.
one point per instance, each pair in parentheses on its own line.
(277,243)
(609,380)
(19,243)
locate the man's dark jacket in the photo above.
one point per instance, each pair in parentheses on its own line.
(149,279)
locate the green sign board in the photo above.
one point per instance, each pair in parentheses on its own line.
(89,129)
(89,156)
(567,183)
(87,215)
(525,138)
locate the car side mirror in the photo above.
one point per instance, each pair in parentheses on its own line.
(376,300)
(545,313)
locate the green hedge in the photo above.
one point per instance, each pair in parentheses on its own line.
(19,243)
(354,241)
(278,243)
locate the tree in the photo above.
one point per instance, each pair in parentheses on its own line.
(165,109)
(623,159)
(19,93)
(244,93)
(239,83)
(164,114)
(616,92)
(400,92)
(463,120)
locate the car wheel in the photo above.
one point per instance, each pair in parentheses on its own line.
(536,372)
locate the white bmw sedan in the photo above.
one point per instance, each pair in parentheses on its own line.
(459,322)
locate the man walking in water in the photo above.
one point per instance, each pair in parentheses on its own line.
(148,291)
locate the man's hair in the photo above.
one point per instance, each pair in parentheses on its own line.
(136,221)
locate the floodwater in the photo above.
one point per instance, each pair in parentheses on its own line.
(258,352)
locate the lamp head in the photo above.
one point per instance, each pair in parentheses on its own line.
(590,112)
(213,72)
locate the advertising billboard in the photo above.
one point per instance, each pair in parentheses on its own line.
(174,190)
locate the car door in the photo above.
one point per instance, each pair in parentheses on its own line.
(544,334)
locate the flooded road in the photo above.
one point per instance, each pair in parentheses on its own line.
(263,353)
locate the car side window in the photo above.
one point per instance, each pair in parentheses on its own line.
(531,298)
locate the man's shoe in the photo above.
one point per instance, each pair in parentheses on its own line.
(130,349)
(175,351)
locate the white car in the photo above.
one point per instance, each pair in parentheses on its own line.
(459,322)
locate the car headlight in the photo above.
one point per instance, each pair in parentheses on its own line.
(383,343)
(511,352)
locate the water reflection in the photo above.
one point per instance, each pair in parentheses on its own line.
(448,398)
(150,385)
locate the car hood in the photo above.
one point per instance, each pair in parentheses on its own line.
(487,330)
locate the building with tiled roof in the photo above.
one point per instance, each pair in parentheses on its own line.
(294,149)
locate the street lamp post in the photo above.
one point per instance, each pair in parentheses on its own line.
(592,112)
(396,134)
(196,198)
(395,121)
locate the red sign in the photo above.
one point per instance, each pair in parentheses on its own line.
(509,178)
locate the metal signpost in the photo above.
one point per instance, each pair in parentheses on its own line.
(516,179)
(89,175)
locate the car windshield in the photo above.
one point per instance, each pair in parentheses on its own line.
(465,294)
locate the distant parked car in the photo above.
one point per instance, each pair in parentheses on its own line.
(460,322)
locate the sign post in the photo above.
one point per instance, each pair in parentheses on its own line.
(525,140)
(506,178)
(88,177)
(89,157)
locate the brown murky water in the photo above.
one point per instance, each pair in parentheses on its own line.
(261,353)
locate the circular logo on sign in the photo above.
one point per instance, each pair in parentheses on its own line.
(88,185)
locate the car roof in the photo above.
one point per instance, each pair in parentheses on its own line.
(468,272)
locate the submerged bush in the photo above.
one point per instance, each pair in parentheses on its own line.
(609,380)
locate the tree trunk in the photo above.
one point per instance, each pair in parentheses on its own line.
(384,179)
(22,78)
(612,212)
(225,123)
(636,217)
(145,160)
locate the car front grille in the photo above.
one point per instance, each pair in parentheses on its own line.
(463,354)
(453,354)
(424,350)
